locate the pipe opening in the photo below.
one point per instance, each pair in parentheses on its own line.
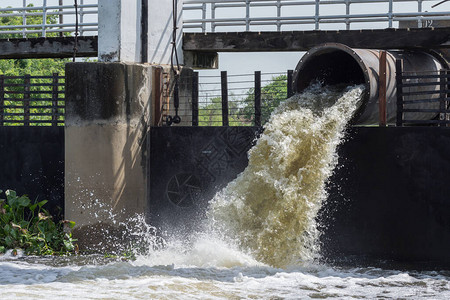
(332,66)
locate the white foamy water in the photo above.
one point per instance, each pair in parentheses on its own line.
(270,209)
(265,238)
(146,279)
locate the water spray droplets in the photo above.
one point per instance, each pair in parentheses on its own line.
(270,209)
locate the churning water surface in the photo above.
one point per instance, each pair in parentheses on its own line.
(259,240)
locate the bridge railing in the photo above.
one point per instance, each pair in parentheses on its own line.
(210,15)
(53,17)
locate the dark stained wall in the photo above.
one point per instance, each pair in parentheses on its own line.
(389,199)
(187,166)
(32,163)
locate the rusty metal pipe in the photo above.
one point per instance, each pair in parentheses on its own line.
(334,63)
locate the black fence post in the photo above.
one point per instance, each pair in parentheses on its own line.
(2,99)
(442,98)
(382,89)
(195,99)
(26,100)
(55,99)
(257,98)
(290,83)
(224,84)
(399,83)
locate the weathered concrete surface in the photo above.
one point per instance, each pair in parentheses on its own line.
(304,40)
(57,47)
(107,117)
(109,110)
(164,99)
(121,31)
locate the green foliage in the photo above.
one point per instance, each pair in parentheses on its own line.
(271,96)
(211,114)
(30,20)
(30,227)
(242,112)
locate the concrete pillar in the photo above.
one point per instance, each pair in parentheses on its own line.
(109,107)
(121,38)
(119,31)
(107,118)
(160,31)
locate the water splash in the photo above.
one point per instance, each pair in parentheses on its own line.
(269,210)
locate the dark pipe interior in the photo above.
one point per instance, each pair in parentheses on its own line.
(331,67)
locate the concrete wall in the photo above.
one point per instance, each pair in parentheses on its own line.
(107,117)
(166,96)
(120,31)
(160,31)
(109,111)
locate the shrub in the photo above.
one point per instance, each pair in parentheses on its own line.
(30,227)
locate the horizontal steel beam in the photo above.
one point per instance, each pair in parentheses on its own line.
(58,47)
(305,40)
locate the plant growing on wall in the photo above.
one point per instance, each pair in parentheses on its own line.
(30,227)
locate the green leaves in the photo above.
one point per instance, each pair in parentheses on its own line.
(30,227)
(242,111)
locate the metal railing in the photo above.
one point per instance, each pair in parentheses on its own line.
(49,19)
(430,88)
(259,14)
(32,100)
(237,100)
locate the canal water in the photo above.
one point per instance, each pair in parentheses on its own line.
(260,238)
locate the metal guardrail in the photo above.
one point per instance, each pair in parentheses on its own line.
(32,100)
(239,99)
(322,12)
(40,21)
(408,97)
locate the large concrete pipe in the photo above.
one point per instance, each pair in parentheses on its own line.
(333,63)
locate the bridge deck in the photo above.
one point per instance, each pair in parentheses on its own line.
(304,40)
(50,47)
(62,47)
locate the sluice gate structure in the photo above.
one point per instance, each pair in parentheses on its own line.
(387,200)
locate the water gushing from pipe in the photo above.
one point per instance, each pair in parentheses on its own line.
(269,210)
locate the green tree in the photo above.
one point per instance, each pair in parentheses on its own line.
(37,20)
(211,114)
(271,96)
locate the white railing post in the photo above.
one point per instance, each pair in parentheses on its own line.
(347,13)
(247,15)
(81,13)
(203,17)
(419,10)
(24,19)
(278,15)
(316,16)
(391,8)
(44,18)
(213,16)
